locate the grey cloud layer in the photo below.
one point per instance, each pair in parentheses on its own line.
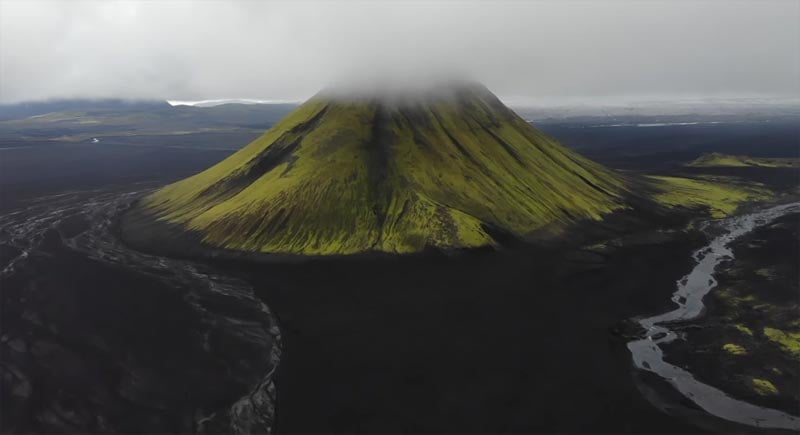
(271,50)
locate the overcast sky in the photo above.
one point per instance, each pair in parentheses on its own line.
(542,50)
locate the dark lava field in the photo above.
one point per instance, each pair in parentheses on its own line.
(98,337)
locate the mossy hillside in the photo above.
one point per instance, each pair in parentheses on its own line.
(341,176)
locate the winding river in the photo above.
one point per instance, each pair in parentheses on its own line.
(647,354)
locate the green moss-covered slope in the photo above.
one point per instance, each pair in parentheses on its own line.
(347,175)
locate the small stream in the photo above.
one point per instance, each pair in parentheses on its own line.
(647,354)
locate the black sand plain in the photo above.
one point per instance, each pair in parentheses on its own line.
(521,340)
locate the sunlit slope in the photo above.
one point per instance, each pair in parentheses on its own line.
(341,176)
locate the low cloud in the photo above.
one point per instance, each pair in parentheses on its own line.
(183,50)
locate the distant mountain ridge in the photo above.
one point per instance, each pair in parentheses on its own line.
(81,120)
(28,109)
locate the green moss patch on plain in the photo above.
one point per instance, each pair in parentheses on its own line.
(734,349)
(763,387)
(720,196)
(788,341)
(744,329)
(727,160)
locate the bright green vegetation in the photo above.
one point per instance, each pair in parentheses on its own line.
(717,160)
(341,176)
(737,306)
(734,349)
(763,387)
(789,341)
(720,197)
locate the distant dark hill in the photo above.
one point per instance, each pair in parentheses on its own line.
(81,120)
(28,109)
(346,175)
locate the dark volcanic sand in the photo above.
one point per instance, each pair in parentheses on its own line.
(485,342)
(516,341)
(31,171)
(97,338)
